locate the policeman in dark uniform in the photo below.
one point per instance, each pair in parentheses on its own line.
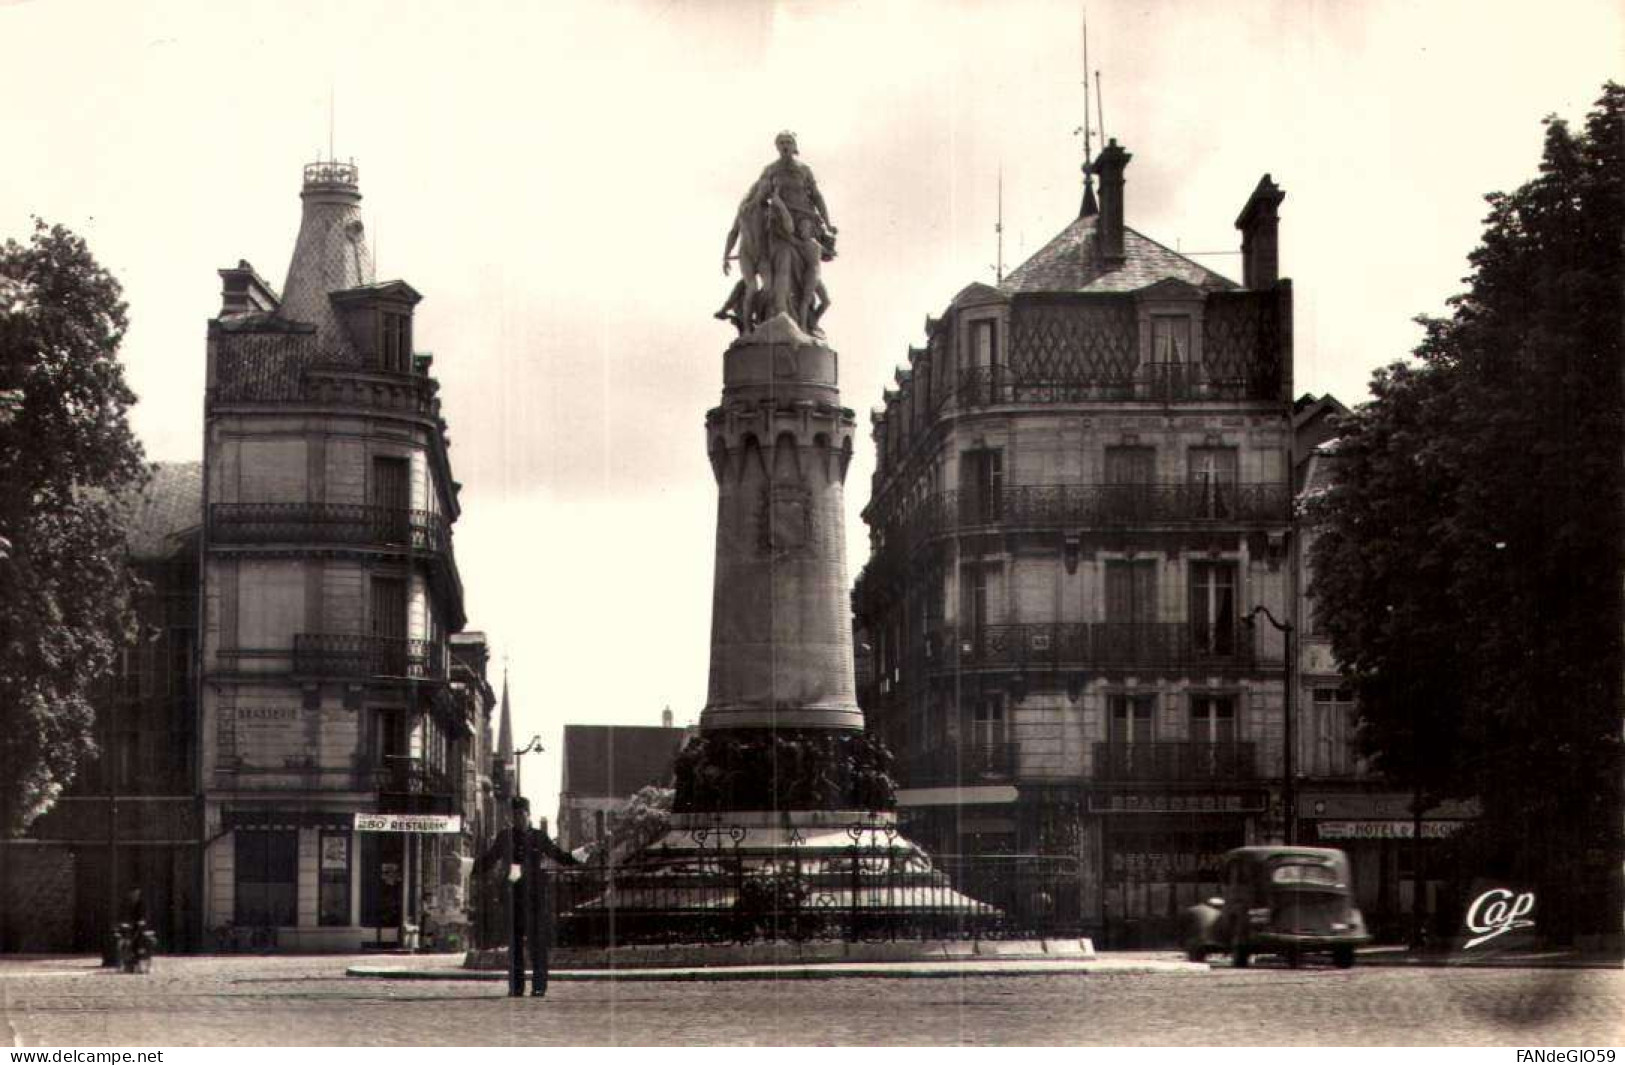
(526,851)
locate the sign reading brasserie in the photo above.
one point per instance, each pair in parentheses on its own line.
(408,823)
(1163,803)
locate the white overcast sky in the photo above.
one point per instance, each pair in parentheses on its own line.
(558,178)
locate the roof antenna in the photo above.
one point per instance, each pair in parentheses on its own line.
(1090,207)
(331,108)
(1099,110)
(998,228)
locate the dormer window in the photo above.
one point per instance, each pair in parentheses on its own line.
(395,347)
(1170,338)
(984,342)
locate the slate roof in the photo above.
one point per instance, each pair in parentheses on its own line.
(614,761)
(171,506)
(330,255)
(1068,264)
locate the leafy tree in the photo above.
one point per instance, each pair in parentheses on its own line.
(645,819)
(1468,566)
(66,451)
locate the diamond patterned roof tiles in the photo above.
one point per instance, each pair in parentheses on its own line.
(1068,264)
(330,255)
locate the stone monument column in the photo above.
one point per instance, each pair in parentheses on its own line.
(781,736)
(780,444)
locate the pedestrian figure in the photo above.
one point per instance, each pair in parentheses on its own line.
(529,855)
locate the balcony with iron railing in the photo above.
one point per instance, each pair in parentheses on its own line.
(1151,382)
(329,523)
(979,763)
(411,785)
(375,657)
(1207,502)
(1173,762)
(1091,645)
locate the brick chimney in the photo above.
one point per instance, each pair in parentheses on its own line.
(1109,165)
(1260,223)
(243,291)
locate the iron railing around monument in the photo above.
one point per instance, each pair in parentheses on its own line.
(876,888)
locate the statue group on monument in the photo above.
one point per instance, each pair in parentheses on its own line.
(784,236)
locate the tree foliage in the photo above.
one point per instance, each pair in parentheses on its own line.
(645,819)
(66,452)
(1468,557)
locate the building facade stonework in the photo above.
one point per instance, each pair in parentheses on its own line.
(1082,490)
(329,684)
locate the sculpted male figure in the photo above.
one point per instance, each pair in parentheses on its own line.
(791,183)
(783,232)
(749,231)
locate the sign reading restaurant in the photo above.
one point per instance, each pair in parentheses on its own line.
(408,822)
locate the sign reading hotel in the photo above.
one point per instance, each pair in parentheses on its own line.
(408,822)
(1335,830)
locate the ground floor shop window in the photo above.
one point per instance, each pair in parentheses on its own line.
(334,906)
(267,879)
(1152,876)
(383,874)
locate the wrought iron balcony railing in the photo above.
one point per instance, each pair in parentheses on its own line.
(1093,645)
(1195,505)
(979,763)
(409,785)
(1160,382)
(1200,502)
(1174,762)
(344,655)
(329,523)
(400,775)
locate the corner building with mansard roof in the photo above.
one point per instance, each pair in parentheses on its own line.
(1082,490)
(331,683)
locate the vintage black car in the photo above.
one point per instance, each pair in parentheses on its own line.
(1287,901)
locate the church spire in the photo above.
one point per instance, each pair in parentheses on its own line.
(506,725)
(504,752)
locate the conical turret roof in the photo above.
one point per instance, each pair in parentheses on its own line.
(331,253)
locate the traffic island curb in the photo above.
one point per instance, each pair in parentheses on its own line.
(831,971)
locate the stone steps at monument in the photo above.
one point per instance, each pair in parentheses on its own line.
(706,956)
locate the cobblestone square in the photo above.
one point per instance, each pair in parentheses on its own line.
(252,1001)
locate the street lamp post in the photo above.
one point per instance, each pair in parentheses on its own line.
(1289,787)
(533,747)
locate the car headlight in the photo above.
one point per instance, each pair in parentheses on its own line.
(1259,915)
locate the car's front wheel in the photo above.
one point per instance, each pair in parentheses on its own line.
(1240,957)
(1343,957)
(1196,952)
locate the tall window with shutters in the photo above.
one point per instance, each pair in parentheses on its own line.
(1173,374)
(1213,608)
(395,350)
(1131,635)
(981,486)
(390,493)
(1214,473)
(1213,719)
(1130,472)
